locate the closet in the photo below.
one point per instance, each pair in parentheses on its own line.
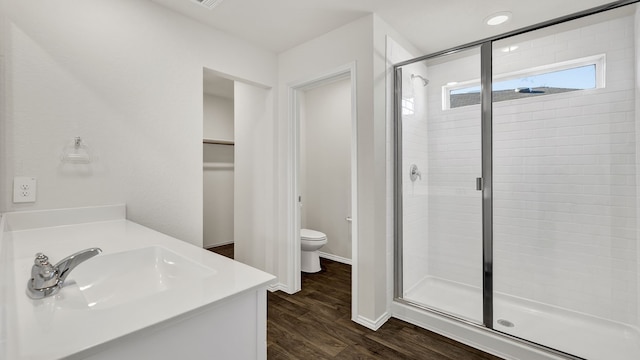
(218,160)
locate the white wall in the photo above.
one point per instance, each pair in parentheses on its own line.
(217,117)
(126,75)
(565,215)
(352,42)
(363,41)
(254,186)
(326,159)
(218,172)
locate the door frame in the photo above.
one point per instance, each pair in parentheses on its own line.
(484,334)
(347,71)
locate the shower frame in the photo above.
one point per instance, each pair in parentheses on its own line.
(486,183)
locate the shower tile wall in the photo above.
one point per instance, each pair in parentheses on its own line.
(454,205)
(414,151)
(564,183)
(565,180)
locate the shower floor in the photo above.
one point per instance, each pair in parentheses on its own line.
(568,331)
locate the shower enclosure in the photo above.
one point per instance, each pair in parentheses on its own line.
(516,185)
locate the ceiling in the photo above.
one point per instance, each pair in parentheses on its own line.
(431,25)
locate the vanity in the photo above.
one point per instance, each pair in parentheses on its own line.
(145,296)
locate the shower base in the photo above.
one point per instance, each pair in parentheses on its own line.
(568,331)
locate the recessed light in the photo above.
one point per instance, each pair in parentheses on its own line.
(498,18)
(452,83)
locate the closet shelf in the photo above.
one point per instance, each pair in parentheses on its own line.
(218,141)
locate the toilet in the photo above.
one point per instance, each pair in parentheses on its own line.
(311,241)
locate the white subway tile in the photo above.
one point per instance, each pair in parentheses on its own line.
(564,184)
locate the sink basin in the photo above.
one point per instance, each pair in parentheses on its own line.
(147,293)
(109,280)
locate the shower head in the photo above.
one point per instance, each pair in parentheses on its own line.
(424,81)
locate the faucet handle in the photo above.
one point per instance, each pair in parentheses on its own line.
(44,278)
(43,274)
(41,259)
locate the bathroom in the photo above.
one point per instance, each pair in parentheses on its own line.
(130,83)
(325,171)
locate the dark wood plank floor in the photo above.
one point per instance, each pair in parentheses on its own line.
(315,323)
(224,250)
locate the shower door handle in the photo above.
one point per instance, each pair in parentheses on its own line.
(479,184)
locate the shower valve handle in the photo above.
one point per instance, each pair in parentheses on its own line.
(414,173)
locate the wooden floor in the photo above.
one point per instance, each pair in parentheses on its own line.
(315,324)
(224,250)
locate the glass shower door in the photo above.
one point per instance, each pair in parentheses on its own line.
(565,186)
(438,161)
(548,251)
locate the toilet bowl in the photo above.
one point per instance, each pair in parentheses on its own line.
(310,242)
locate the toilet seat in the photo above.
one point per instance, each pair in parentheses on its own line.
(312,235)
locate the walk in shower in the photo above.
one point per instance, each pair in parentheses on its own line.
(516,185)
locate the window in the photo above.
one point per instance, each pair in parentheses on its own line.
(581,74)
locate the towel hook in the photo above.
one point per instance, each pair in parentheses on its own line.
(78,153)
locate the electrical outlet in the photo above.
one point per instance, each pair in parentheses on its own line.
(24,189)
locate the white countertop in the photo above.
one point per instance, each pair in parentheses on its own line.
(57,327)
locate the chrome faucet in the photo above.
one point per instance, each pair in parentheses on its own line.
(47,279)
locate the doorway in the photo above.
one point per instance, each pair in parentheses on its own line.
(314,167)
(218,160)
(244,205)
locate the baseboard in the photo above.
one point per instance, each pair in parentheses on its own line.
(336,258)
(219,244)
(373,325)
(280,287)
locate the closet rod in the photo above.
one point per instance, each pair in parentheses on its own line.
(218,141)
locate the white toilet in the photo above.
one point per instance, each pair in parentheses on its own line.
(311,241)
